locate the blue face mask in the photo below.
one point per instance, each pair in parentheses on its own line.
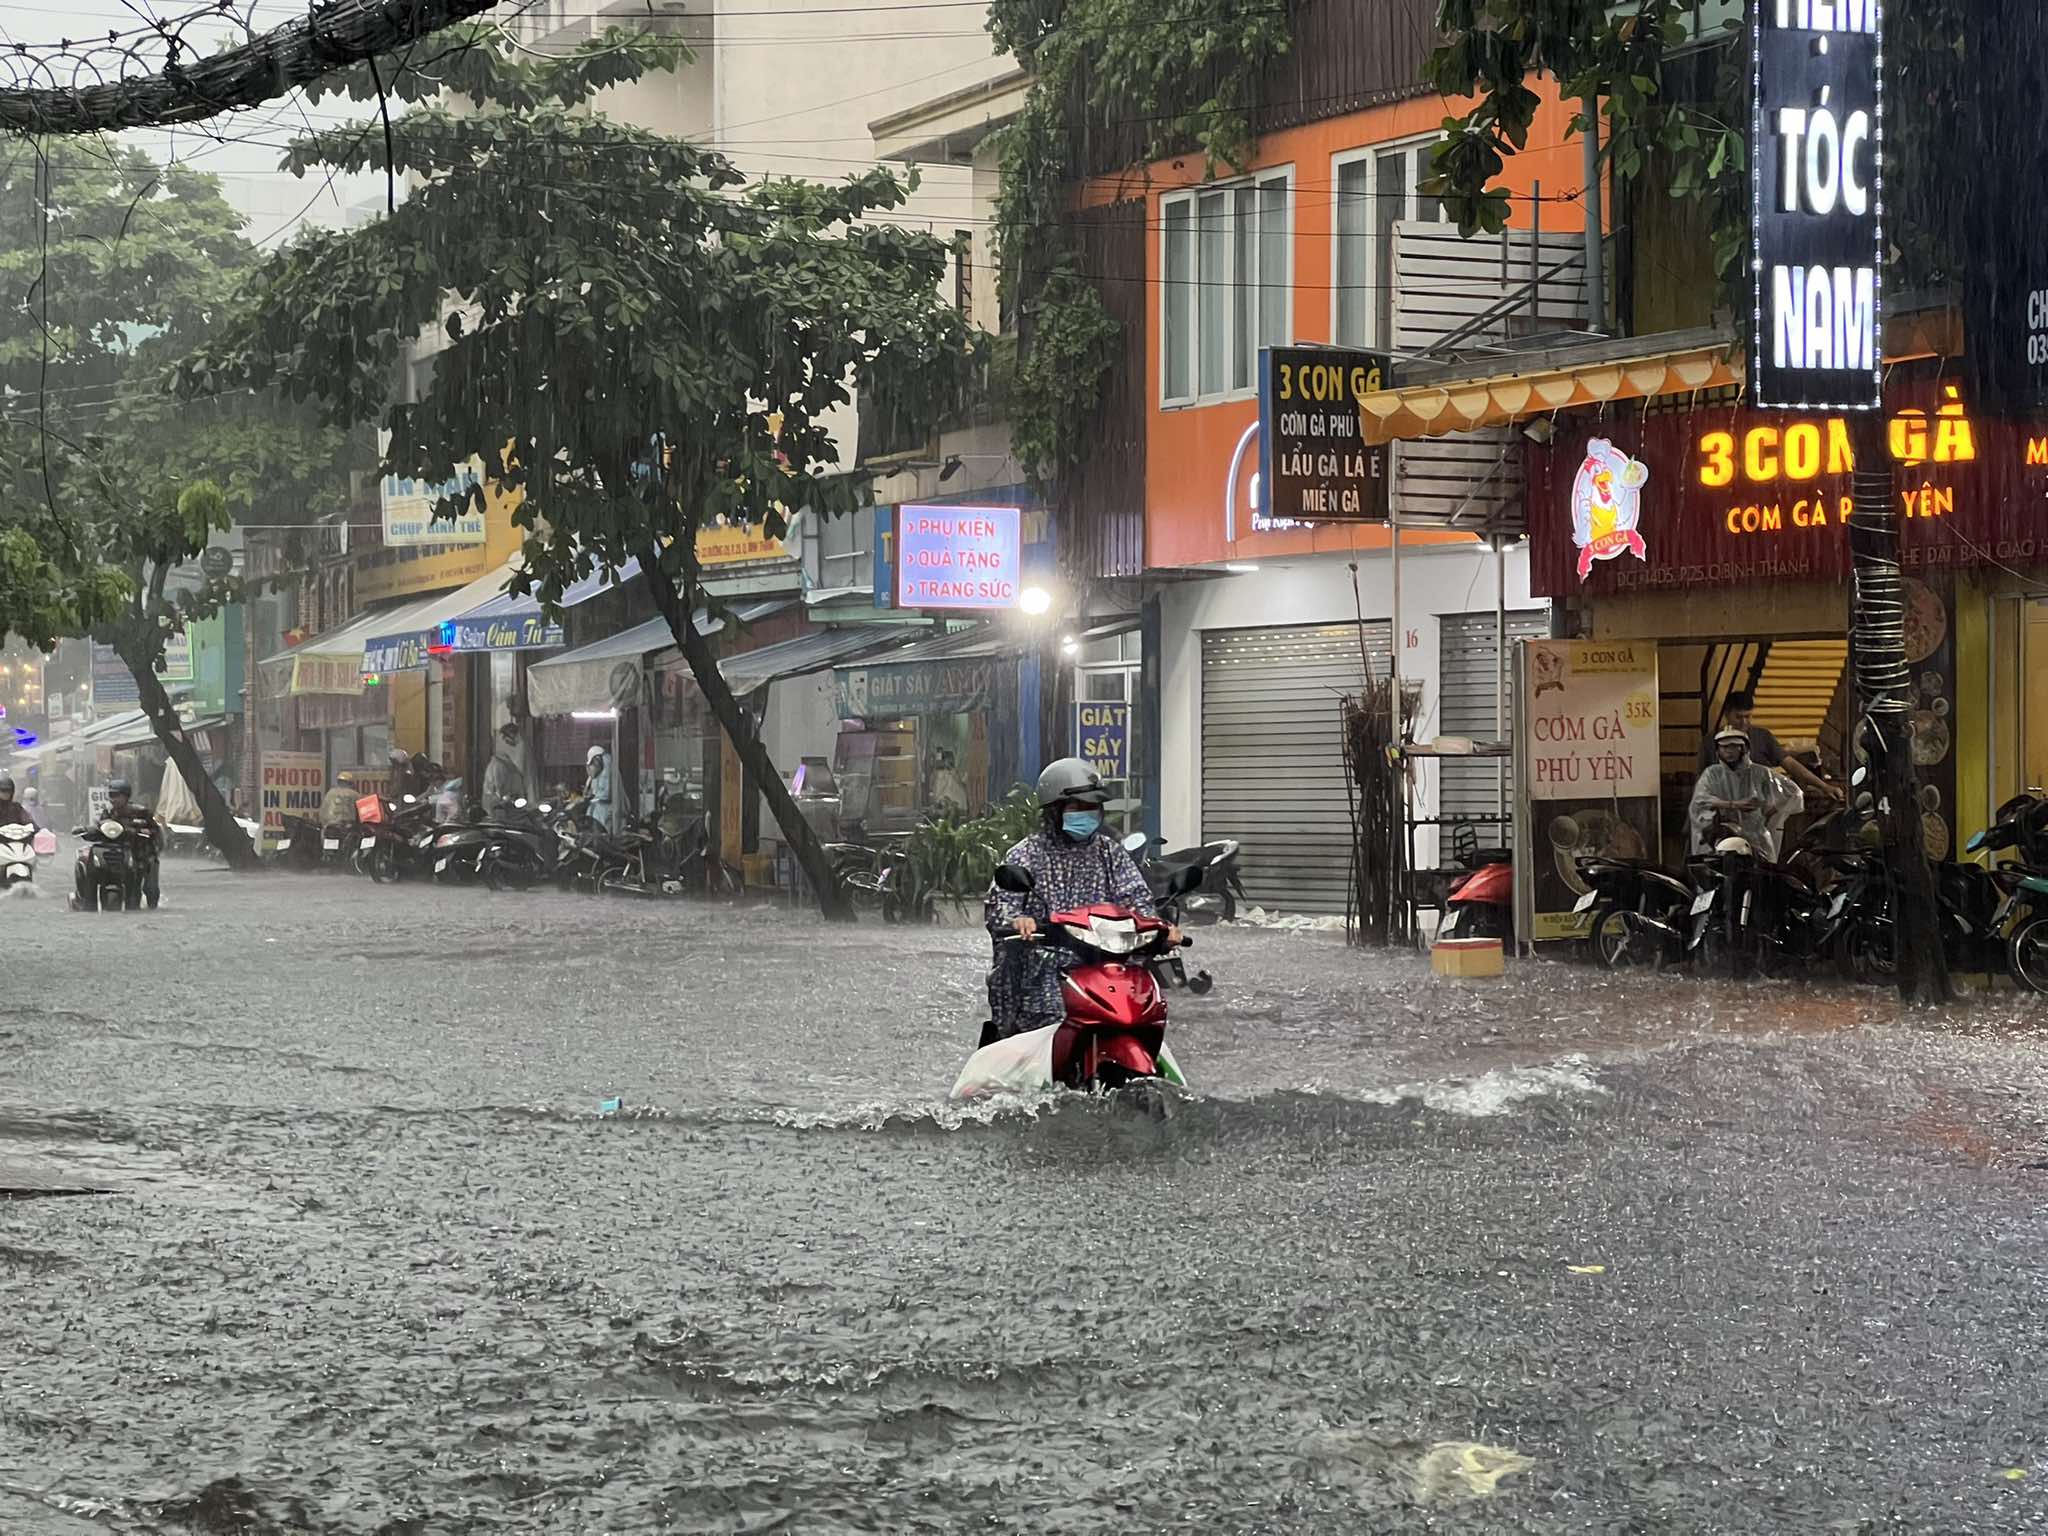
(1080,825)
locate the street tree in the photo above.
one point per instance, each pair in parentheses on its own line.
(1616,61)
(114,268)
(600,297)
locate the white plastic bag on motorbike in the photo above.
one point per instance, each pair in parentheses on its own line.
(1023,1064)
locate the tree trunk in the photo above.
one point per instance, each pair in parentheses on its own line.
(1877,622)
(810,852)
(218,817)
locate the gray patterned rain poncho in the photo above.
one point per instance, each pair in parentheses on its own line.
(1024,982)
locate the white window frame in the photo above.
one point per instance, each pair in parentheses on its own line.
(1412,150)
(1189,198)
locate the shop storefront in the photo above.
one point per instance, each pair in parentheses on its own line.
(1721,533)
(944,725)
(633,694)
(1253,666)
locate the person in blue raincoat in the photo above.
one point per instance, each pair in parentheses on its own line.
(597,790)
(1073,863)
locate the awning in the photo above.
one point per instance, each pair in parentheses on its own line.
(1435,410)
(606,673)
(139,732)
(513,621)
(806,653)
(333,663)
(99,732)
(414,633)
(950,674)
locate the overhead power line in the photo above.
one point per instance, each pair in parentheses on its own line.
(189,88)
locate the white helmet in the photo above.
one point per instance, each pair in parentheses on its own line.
(1733,845)
(596,751)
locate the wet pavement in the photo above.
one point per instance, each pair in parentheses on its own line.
(1560,1253)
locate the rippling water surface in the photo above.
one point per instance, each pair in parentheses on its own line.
(1556,1254)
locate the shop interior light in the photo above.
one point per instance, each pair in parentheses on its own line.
(593,714)
(1240,567)
(1069,644)
(1035,600)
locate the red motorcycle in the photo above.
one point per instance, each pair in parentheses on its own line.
(1114,1034)
(1481,905)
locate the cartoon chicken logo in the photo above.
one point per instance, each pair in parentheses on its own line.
(1607,505)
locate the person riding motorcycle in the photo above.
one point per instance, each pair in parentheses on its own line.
(12,811)
(1073,863)
(338,805)
(1731,792)
(148,866)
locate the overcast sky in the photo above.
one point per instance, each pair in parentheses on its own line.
(243,149)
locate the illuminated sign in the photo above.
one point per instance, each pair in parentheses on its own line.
(1314,463)
(1803,456)
(513,632)
(959,557)
(1607,505)
(1817,204)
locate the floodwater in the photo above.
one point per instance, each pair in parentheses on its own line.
(1554,1254)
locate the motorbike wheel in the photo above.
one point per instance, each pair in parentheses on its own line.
(2027,954)
(1619,943)
(383,863)
(1863,955)
(508,874)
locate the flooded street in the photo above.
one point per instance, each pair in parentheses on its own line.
(374,1261)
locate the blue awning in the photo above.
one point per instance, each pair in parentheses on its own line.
(513,621)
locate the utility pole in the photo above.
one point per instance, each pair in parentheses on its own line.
(1877,632)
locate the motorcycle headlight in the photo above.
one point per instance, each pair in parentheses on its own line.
(1113,935)
(111,828)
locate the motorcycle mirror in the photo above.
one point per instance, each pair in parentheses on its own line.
(1135,843)
(1013,878)
(1185,879)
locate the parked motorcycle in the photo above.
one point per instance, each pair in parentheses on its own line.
(2018,922)
(1114,1034)
(1216,893)
(1481,905)
(512,851)
(1752,914)
(397,838)
(112,857)
(1640,912)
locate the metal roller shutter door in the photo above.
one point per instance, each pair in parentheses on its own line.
(1273,755)
(1466,678)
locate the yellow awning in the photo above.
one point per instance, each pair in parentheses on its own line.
(1437,410)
